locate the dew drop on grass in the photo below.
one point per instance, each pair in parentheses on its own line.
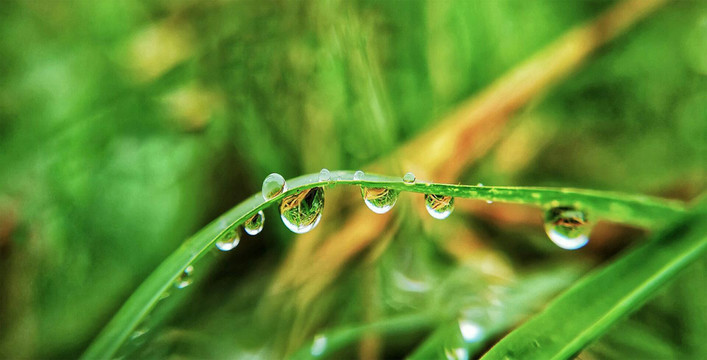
(567,227)
(185,279)
(358,175)
(273,185)
(254,225)
(301,212)
(409,178)
(324,175)
(439,206)
(379,200)
(229,241)
(318,345)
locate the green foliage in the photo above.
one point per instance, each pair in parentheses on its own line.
(126,126)
(587,309)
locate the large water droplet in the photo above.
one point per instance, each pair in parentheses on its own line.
(318,345)
(185,279)
(358,175)
(229,241)
(301,212)
(273,185)
(379,200)
(254,225)
(567,227)
(409,178)
(324,175)
(439,206)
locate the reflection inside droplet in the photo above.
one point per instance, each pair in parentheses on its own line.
(439,206)
(379,200)
(255,224)
(302,212)
(273,185)
(567,227)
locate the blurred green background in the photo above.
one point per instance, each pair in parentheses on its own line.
(126,126)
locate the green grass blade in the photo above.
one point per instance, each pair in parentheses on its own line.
(590,307)
(335,340)
(629,209)
(529,293)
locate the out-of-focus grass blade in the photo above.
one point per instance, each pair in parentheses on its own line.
(528,294)
(589,308)
(631,209)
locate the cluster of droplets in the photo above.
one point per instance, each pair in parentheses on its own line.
(232,237)
(381,200)
(567,226)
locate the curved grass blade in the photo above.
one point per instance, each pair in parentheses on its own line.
(526,295)
(636,210)
(589,308)
(333,341)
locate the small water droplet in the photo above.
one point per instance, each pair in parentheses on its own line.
(480,185)
(409,178)
(254,225)
(273,185)
(358,175)
(459,353)
(229,241)
(301,212)
(471,331)
(324,175)
(567,227)
(439,206)
(379,200)
(318,345)
(185,279)
(489,201)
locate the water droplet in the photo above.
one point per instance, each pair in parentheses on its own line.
(379,200)
(254,225)
(567,227)
(358,175)
(489,201)
(471,331)
(229,241)
(301,212)
(439,206)
(480,185)
(185,279)
(409,178)
(273,185)
(459,353)
(318,345)
(324,175)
